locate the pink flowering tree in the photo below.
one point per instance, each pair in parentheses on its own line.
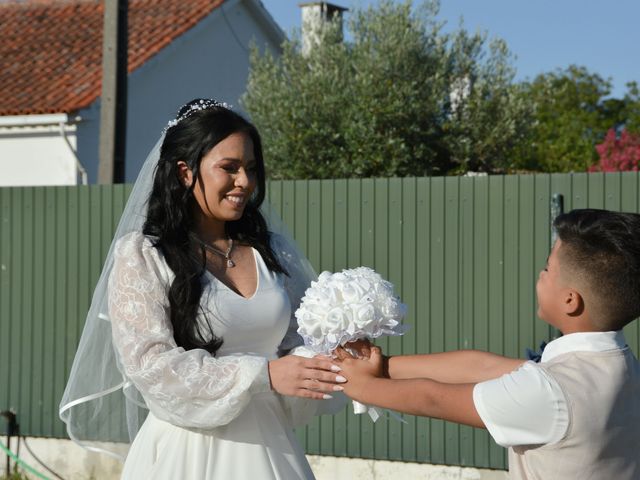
(618,154)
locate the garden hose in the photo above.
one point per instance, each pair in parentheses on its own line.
(22,463)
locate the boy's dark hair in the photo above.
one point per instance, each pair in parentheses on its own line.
(600,252)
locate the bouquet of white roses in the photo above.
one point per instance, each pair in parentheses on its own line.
(346,306)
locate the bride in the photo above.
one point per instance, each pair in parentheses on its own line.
(192,319)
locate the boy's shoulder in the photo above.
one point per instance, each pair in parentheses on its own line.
(584,357)
(600,370)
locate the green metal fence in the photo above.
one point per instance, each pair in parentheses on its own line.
(464,254)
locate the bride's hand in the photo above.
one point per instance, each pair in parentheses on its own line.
(305,377)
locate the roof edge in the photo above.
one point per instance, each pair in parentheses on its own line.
(278,35)
(37,120)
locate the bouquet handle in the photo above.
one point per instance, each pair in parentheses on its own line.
(374,413)
(361,408)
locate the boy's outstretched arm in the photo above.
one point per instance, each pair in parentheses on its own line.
(419,396)
(461,366)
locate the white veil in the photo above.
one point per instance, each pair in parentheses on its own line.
(101,408)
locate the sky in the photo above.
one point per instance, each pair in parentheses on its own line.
(543,35)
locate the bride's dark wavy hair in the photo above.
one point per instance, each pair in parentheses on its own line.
(170,214)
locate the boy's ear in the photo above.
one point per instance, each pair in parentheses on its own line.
(185,174)
(572,303)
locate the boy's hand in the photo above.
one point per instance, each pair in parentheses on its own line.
(359,348)
(359,371)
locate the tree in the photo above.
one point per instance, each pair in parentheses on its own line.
(631,108)
(572,115)
(618,154)
(400,98)
(493,120)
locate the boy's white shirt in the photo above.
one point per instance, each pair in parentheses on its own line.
(526,406)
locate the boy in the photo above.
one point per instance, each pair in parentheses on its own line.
(574,415)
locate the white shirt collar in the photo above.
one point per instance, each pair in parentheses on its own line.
(584,342)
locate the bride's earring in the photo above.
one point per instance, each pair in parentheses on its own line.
(185,175)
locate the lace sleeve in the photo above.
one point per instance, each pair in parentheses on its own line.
(186,388)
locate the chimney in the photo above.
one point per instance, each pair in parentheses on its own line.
(315,17)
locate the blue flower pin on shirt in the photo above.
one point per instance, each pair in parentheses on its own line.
(536,356)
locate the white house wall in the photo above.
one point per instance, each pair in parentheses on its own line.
(211,60)
(36,156)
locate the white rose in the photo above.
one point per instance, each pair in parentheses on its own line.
(321,295)
(364,315)
(325,295)
(351,293)
(362,283)
(393,308)
(309,324)
(340,278)
(309,318)
(335,321)
(364,271)
(384,289)
(322,278)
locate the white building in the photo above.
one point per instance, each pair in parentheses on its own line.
(50,72)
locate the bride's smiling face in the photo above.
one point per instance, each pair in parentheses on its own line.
(226,179)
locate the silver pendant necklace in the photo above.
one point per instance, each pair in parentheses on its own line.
(217,251)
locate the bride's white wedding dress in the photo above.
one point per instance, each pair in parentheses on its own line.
(210,417)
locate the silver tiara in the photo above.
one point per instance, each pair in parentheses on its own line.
(203,104)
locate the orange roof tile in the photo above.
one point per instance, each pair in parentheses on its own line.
(51,50)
